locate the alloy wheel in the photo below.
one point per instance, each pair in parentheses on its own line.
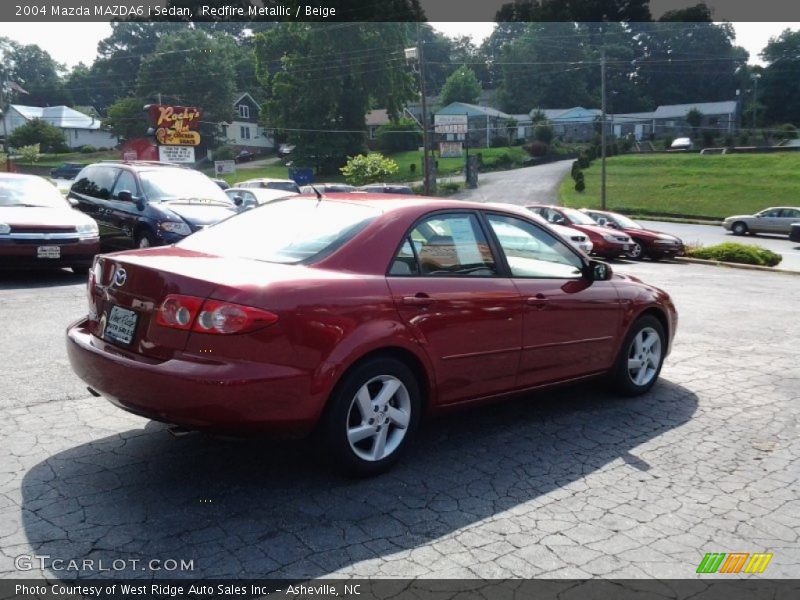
(636,251)
(644,356)
(378,418)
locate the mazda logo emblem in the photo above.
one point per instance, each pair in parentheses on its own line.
(120,277)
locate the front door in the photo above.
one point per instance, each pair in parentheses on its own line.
(447,289)
(570,322)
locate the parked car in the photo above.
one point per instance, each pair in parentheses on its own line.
(287,185)
(66,171)
(576,238)
(777,219)
(352,318)
(223,185)
(141,204)
(647,243)
(38,227)
(386,188)
(244,156)
(285,149)
(246,198)
(681,143)
(794,232)
(606,242)
(327,188)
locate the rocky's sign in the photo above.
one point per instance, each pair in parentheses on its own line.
(175,125)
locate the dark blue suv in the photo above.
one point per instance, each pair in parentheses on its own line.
(138,204)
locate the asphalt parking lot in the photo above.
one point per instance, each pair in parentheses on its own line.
(568,483)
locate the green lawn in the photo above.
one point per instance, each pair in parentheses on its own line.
(694,185)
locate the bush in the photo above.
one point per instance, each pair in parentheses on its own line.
(580,182)
(29,154)
(499,142)
(37,131)
(787,131)
(592,153)
(224,153)
(738,253)
(543,133)
(87,149)
(583,160)
(412,167)
(536,148)
(368,168)
(576,168)
(399,137)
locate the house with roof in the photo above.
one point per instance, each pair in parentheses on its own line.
(576,124)
(485,124)
(244,132)
(669,120)
(79,129)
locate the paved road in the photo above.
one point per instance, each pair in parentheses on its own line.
(708,235)
(520,186)
(571,483)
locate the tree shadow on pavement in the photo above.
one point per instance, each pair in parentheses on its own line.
(258,508)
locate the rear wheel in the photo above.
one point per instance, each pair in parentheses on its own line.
(739,228)
(640,358)
(372,416)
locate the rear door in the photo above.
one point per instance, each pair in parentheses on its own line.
(570,323)
(92,190)
(448,289)
(123,215)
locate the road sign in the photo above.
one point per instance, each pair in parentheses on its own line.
(222,167)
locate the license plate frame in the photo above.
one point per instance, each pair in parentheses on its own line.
(120,327)
(48,252)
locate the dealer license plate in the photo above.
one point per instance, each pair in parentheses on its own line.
(48,252)
(120,325)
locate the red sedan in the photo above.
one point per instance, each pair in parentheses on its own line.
(352,315)
(606,242)
(39,228)
(647,243)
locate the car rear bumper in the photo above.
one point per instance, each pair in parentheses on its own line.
(196,392)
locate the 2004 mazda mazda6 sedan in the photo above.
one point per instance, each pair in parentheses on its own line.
(351,315)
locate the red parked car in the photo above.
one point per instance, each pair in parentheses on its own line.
(352,315)
(606,242)
(40,229)
(646,242)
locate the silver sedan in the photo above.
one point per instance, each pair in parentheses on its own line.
(777,219)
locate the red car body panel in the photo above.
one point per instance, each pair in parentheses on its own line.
(646,237)
(476,337)
(600,245)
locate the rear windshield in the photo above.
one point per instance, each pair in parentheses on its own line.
(284,231)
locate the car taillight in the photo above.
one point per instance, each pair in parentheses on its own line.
(178,311)
(211,316)
(224,317)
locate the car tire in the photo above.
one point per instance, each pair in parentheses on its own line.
(371,417)
(145,239)
(640,358)
(637,251)
(739,228)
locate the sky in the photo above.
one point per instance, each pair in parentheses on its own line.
(83,37)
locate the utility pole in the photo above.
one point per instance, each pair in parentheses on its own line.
(756,77)
(426,167)
(603,129)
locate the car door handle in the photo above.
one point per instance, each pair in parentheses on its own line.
(539,301)
(420,299)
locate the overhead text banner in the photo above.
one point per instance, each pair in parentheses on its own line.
(355,10)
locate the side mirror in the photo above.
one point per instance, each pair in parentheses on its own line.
(598,271)
(237,200)
(73,202)
(125,196)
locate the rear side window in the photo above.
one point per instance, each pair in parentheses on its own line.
(96,182)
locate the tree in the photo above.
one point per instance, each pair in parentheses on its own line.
(126,118)
(543,132)
(34,70)
(37,131)
(320,82)
(368,168)
(558,10)
(694,118)
(403,135)
(461,86)
(779,88)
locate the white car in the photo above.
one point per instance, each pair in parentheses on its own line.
(577,239)
(245,198)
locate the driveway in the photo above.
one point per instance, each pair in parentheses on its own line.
(574,483)
(529,185)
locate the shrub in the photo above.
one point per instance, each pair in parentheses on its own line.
(576,168)
(536,148)
(398,137)
(37,131)
(580,183)
(583,160)
(29,154)
(738,253)
(450,187)
(87,149)
(592,152)
(224,153)
(543,133)
(412,167)
(368,168)
(729,141)
(787,131)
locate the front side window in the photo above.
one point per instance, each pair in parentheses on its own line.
(448,245)
(96,182)
(770,212)
(533,252)
(126,182)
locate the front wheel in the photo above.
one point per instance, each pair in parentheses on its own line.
(739,228)
(146,240)
(372,416)
(640,358)
(636,251)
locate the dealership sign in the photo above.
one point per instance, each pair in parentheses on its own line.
(450,149)
(175,125)
(450,123)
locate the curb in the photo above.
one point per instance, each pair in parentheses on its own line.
(687,221)
(719,263)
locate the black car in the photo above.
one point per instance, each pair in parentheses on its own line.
(66,171)
(244,156)
(794,232)
(141,204)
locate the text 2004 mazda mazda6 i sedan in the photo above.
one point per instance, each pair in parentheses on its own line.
(351,315)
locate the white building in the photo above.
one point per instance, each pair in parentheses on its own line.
(78,129)
(244,131)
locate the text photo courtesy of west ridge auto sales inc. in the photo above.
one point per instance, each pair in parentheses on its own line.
(367,302)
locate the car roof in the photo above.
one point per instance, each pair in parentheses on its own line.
(268,180)
(403,202)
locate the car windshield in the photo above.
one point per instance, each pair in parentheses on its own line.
(578,217)
(30,191)
(284,231)
(286,186)
(624,222)
(166,184)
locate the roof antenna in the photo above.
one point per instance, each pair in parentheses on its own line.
(317,192)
